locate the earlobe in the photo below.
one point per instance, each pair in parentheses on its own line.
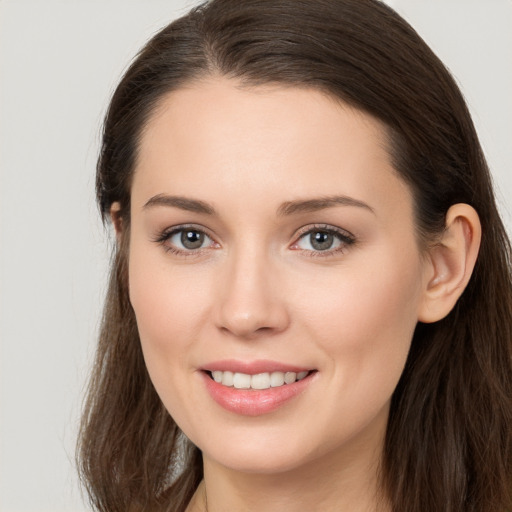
(117,220)
(452,261)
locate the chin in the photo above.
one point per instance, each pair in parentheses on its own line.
(266,453)
(262,463)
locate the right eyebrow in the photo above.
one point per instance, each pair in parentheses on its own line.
(183,203)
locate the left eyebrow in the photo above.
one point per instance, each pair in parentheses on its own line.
(183,203)
(321,203)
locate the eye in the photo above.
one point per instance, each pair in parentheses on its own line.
(189,239)
(323,239)
(185,239)
(318,241)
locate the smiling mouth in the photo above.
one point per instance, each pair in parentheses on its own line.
(259,381)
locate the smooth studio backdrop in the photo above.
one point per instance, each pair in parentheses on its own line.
(59,63)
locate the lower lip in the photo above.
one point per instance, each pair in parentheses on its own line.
(254,402)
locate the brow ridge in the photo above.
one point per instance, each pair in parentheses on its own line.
(286,209)
(320,203)
(181,202)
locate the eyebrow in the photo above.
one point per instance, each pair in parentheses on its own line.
(183,203)
(287,208)
(321,203)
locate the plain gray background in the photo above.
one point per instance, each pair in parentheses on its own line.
(59,62)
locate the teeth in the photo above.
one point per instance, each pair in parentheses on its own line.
(259,381)
(241,381)
(227,378)
(290,377)
(276,379)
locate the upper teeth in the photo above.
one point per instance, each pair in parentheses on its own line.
(259,381)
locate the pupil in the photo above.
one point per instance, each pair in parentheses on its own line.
(321,241)
(192,239)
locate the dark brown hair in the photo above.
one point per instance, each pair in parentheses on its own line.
(448,443)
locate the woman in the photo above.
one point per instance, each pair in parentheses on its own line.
(311,298)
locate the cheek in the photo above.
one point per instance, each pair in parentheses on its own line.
(168,308)
(168,322)
(365,318)
(364,326)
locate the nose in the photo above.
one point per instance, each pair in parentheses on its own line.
(252,303)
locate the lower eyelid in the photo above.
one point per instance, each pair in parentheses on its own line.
(340,248)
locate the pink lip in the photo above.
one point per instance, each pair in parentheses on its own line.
(252,367)
(252,402)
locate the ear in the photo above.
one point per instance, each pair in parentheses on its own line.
(451,263)
(117,220)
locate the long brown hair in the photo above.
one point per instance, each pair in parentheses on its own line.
(448,443)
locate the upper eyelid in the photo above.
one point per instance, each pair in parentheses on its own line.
(323,227)
(167,232)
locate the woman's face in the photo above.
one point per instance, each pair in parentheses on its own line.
(271,236)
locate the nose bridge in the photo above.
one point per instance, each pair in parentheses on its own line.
(251,302)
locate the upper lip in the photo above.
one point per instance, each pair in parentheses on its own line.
(253,367)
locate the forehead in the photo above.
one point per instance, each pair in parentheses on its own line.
(222,109)
(216,138)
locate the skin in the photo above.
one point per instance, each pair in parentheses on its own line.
(257,288)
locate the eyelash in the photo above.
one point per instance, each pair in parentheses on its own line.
(345,238)
(167,234)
